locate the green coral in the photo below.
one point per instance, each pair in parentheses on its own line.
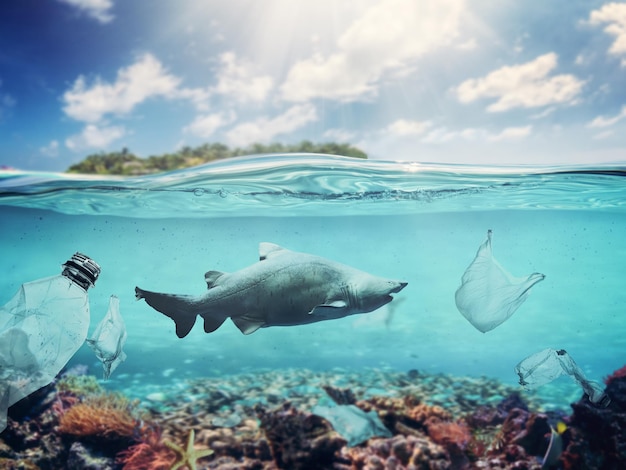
(80,385)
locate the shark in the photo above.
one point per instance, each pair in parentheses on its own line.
(284,288)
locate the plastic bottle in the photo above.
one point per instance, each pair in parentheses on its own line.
(42,327)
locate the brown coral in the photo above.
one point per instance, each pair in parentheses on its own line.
(404,414)
(449,433)
(106,415)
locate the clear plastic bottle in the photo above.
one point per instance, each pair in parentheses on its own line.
(42,327)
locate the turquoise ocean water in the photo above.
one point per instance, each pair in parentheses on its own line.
(421,223)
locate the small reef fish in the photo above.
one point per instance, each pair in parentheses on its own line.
(284,288)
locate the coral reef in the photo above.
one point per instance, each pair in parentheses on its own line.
(299,440)
(597,436)
(265,421)
(398,452)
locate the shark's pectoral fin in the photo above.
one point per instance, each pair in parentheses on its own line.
(212,324)
(332,309)
(180,308)
(247,325)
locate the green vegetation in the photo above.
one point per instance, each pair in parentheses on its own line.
(126,163)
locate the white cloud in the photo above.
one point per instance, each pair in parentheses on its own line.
(236,78)
(144,79)
(442,135)
(206,125)
(339,135)
(527,85)
(602,121)
(615,15)
(403,127)
(50,150)
(511,133)
(94,137)
(97,9)
(389,36)
(264,129)
(603,135)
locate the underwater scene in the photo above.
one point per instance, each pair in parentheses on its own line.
(314,312)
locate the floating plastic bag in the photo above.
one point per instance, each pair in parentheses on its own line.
(41,328)
(352,423)
(489,295)
(109,338)
(545,366)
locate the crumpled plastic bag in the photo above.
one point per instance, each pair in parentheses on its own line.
(543,367)
(488,294)
(352,423)
(109,338)
(34,344)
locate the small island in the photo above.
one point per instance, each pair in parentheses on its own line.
(126,163)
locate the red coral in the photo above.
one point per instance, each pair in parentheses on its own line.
(619,373)
(149,454)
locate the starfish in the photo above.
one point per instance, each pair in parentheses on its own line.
(187,457)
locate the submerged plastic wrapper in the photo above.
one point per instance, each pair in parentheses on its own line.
(489,295)
(35,344)
(545,366)
(109,338)
(352,423)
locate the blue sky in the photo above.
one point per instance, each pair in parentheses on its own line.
(457,81)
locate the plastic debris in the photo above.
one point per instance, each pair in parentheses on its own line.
(109,338)
(545,366)
(352,423)
(488,294)
(41,328)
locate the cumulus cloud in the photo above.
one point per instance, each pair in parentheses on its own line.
(236,78)
(442,134)
(339,135)
(94,137)
(614,16)
(50,150)
(205,125)
(140,81)
(389,36)
(511,133)
(602,121)
(403,127)
(264,129)
(99,10)
(528,85)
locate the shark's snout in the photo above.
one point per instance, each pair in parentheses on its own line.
(401,285)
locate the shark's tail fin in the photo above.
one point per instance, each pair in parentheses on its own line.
(180,308)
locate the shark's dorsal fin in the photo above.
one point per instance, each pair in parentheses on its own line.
(211,278)
(267,249)
(247,325)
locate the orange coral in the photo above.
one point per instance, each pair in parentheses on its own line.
(106,415)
